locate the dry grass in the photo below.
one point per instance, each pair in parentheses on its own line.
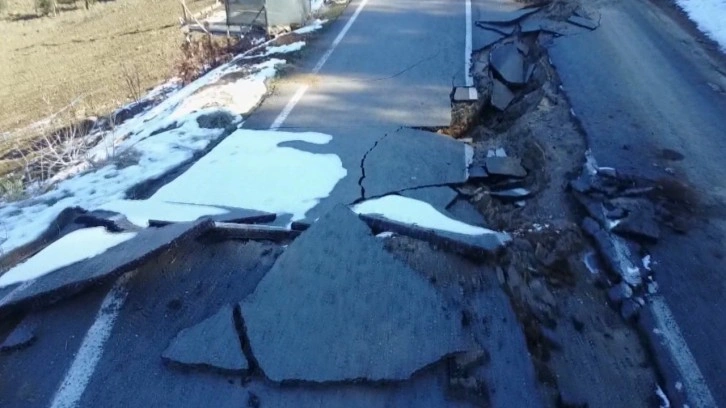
(47,62)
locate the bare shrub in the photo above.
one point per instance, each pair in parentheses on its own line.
(133,81)
(46,7)
(201,54)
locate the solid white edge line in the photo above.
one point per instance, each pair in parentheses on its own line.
(71,390)
(468,50)
(280,119)
(671,337)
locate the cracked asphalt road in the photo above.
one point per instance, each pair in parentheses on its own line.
(393,68)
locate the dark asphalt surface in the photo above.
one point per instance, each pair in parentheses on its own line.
(640,84)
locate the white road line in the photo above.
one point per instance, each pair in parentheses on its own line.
(467,53)
(301,91)
(671,337)
(79,374)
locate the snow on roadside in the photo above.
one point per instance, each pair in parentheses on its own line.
(316,5)
(74,247)
(145,146)
(709,16)
(267,177)
(420,213)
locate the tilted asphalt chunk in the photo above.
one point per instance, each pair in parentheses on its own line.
(616,253)
(337,307)
(509,63)
(438,196)
(501,95)
(213,344)
(112,263)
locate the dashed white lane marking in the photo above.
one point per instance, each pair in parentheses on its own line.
(316,69)
(79,374)
(467,53)
(671,337)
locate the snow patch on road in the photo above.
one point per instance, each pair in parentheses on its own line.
(250,170)
(74,247)
(415,212)
(709,16)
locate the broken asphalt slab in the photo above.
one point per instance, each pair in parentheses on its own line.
(404,160)
(484,38)
(501,95)
(505,166)
(213,344)
(509,63)
(233,215)
(337,307)
(616,253)
(476,246)
(122,258)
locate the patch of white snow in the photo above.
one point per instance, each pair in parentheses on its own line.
(709,16)
(415,212)
(74,247)
(249,169)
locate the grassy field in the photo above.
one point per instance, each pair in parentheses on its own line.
(48,62)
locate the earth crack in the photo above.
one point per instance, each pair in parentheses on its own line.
(363,166)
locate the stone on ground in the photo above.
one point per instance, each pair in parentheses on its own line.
(505,166)
(212,344)
(337,307)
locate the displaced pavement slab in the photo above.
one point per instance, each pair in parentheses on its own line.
(501,95)
(483,38)
(508,372)
(465,94)
(212,344)
(464,211)
(23,335)
(112,263)
(503,29)
(438,196)
(420,220)
(337,307)
(508,62)
(505,166)
(403,160)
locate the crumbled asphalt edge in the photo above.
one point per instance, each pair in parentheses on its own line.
(665,368)
(537,44)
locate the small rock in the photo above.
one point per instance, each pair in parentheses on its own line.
(505,166)
(619,293)
(629,309)
(515,193)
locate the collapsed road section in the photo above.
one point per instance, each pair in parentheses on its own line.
(361,266)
